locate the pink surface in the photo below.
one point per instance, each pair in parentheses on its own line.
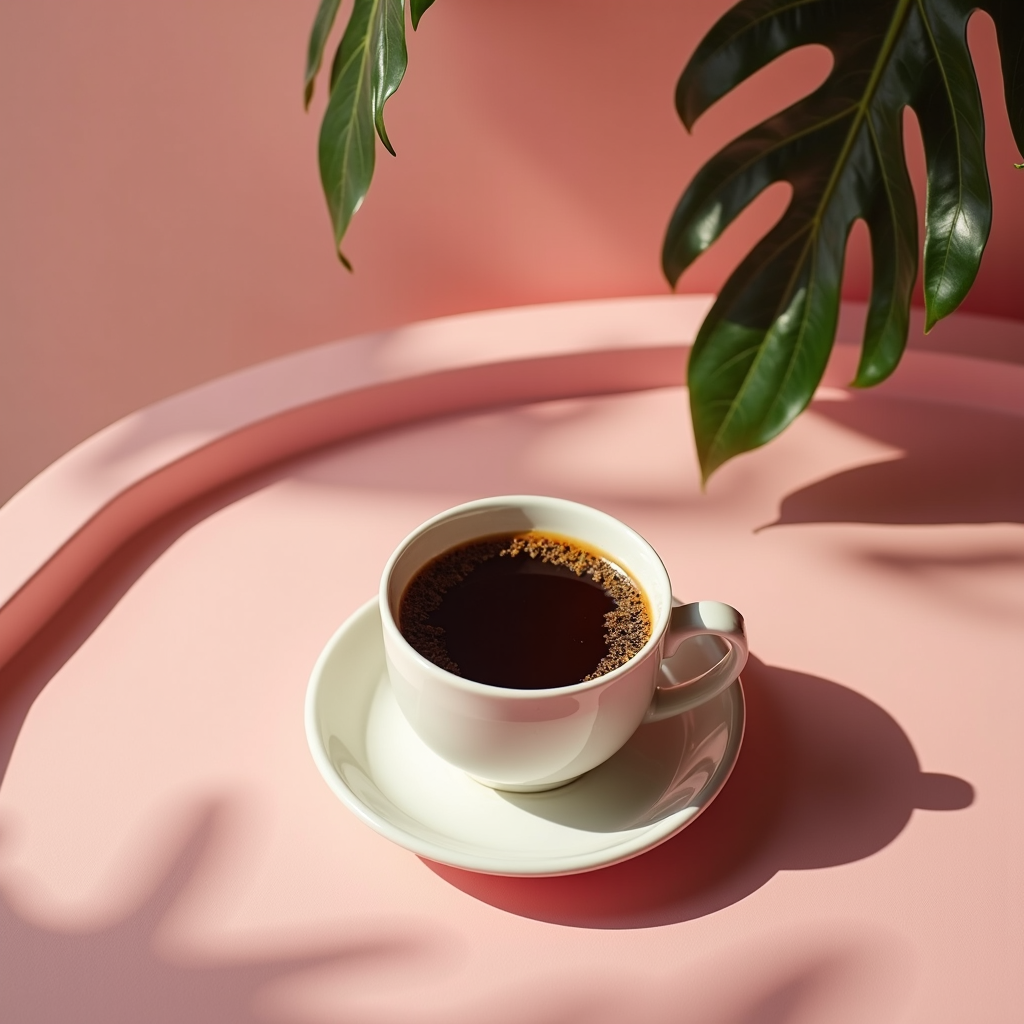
(161,214)
(60,527)
(168,851)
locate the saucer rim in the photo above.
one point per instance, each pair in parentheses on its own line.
(647,838)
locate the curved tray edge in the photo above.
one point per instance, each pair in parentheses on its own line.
(62,526)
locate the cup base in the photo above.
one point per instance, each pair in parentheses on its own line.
(509,787)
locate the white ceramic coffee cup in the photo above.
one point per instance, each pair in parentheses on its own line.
(531,740)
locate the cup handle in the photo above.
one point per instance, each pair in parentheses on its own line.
(701,618)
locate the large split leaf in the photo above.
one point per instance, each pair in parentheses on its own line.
(763,348)
(368,67)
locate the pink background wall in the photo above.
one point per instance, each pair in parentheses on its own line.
(161,220)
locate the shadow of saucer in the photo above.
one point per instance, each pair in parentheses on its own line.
(825,777)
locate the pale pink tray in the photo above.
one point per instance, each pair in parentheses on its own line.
(168,851)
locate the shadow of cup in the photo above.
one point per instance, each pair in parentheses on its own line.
(825,777)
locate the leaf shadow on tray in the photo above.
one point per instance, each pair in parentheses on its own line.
(25,676)
(118,973)
(960,465)
(825,777)
(128,968)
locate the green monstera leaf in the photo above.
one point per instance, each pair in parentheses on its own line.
(762,350)
(368,67)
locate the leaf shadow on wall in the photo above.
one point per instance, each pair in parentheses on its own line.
(825,777)
(961,465)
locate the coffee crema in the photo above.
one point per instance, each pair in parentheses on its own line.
(524,611)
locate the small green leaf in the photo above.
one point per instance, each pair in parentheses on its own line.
(959,208)
(390,61)
(764,346)
(417,9)
(367,68)
(322,25)
(891,217)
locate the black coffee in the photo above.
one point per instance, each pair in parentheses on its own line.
(529,611)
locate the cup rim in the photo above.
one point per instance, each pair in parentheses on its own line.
(390,626)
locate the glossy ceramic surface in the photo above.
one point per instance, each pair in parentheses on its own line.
(658,783)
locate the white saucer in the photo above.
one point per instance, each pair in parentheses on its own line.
(654,786)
